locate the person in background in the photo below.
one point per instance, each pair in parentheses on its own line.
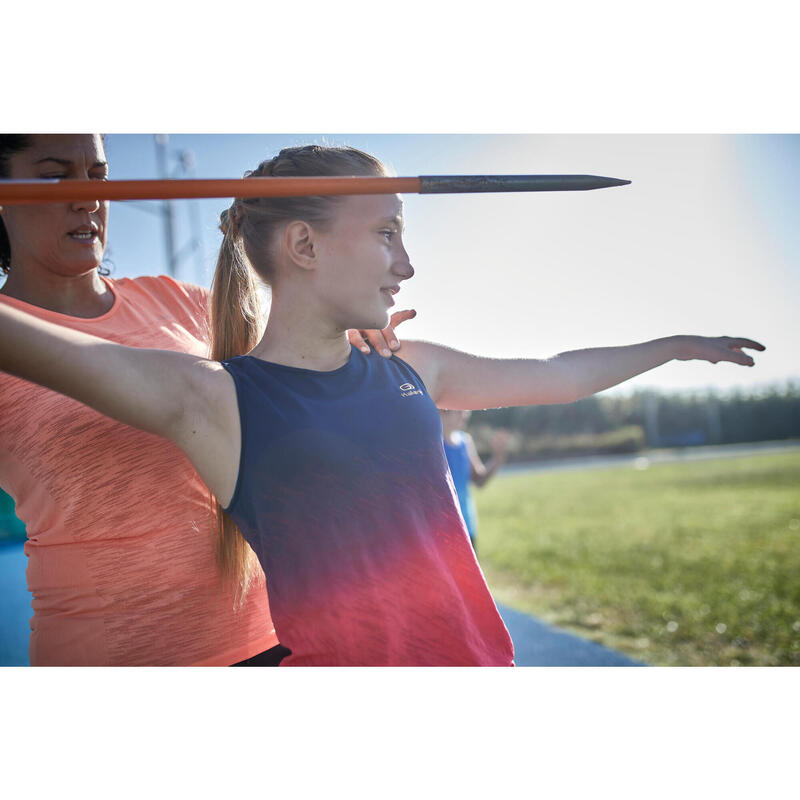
(466,465)
(122,538)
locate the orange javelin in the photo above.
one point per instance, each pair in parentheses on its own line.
(47,191)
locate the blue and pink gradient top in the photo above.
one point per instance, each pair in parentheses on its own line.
(345,496)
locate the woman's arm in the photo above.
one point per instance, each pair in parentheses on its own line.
(459,380)
(186,399)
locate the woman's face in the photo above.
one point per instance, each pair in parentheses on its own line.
(66,239)
(365,260)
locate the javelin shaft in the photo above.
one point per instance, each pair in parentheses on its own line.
(46,191)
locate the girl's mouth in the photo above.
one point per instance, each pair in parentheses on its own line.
(388,291)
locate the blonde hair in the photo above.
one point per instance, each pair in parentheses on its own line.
(248,228)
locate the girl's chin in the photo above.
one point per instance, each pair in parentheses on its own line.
(376,323)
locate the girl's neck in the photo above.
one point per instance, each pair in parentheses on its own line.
(297,336)
(84,296)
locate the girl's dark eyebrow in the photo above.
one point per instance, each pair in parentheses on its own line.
(66,162)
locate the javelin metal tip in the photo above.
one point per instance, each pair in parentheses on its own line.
(455,184)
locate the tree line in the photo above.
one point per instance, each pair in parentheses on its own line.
(613,424)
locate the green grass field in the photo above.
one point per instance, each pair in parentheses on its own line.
(677,564)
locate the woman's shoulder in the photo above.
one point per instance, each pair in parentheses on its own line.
(161,285)
(163,292)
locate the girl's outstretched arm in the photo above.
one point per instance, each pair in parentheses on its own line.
(184,398)
(458,380)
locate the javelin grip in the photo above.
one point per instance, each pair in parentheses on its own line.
(456,184)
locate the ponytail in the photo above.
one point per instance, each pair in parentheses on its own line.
(236,324)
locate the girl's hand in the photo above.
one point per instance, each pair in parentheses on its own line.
(721,348)
(383,341)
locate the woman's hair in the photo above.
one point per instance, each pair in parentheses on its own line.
(249,226)
(10,144)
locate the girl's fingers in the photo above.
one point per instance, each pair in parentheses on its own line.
(735,346)
(753,345)
(730,350)
(738,357)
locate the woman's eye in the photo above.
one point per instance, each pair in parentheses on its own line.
(388,235)
(53,176)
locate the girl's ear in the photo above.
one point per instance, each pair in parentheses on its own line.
(298,240)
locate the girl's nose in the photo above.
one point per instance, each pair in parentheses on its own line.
(402,266)
(404,270)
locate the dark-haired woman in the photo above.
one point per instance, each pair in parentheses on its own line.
(122,541)
(353,518)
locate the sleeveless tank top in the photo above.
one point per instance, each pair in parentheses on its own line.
(345,496)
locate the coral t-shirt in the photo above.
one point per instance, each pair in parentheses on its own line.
(121,537)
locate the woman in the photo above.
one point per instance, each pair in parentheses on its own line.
(466,465)
(353,520)
(121,538)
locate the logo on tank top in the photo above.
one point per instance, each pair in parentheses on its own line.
(409,389)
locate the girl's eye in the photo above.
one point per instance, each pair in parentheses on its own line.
(388,235)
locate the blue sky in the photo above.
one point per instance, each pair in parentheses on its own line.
(703,241)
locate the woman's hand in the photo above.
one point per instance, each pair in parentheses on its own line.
(383,341)
(721,348)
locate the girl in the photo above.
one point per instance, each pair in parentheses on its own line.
(353,520)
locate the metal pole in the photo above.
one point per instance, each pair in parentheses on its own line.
(161,140)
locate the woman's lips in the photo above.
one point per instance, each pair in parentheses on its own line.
(88,236)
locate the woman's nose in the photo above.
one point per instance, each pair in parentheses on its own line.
(86,205)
